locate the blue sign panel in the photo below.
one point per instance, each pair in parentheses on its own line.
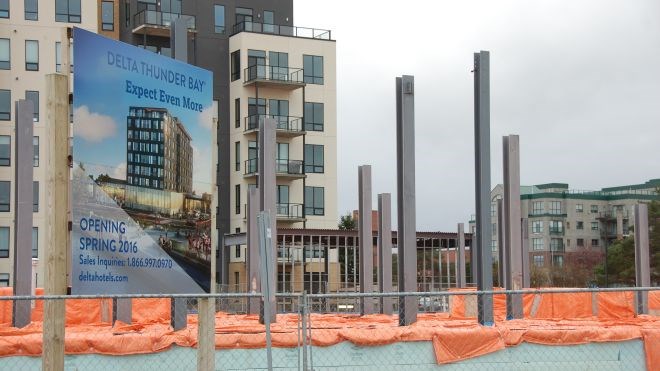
(142,189)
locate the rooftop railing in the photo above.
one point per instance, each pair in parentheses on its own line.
(281,30)
(164,19)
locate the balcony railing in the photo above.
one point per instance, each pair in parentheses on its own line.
(556,231)
(289,211)
(162,19)
(284,123)
(282,167)
(286,75)
(281,30)
(612,214)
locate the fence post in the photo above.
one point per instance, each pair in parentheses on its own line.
(206,334)
(304,329)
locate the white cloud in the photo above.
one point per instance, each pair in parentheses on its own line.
(119,171)
(91,126)
(205,118)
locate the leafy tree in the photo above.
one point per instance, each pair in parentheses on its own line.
(346,222)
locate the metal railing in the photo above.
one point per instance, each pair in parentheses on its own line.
(284,123)
(281,30)
(289,210)
(164,19)
(273,73)
(282,167)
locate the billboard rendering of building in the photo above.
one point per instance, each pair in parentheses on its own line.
(142,179)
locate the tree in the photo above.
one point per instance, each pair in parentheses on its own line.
(654,239)
(346,222)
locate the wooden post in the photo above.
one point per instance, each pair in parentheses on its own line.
(55,283)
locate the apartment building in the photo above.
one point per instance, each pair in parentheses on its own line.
(563,220)
(262,66)
(30,48)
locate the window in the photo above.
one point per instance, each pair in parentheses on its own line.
(31,10)
(5,195)
(5,54)
(493,209)
(556,226)
(237,113)
(283,200)
(279,65)
(256,107)
(313,69)
(537,226)
(170,6)
(579,242)
(108,16)
(568,242)
(33,96)
(237,199)
(31,55)
(237,252)
(594,209)
(243,15)
(35,145)
(556,244)
(579,225)
(493,245)
(269,20)
(238,255)
(35,242)
(313,116)
(235,65)
(4,279)
(537,207)
(35,197)
(5,150)
(555,207)
(58,57)
(4,8)
(537,243)
(594,226)
(594,242)
(493,229)
(578,208)
(558,260)
(5,104)
(314,201)
(279,110)
(313,158)
(127,12)
(219,11)
(538,260)
(4,242)
(67,11)
(237,162)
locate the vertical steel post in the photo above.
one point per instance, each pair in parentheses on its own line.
(482,252)
(122,310)
(268,287)
(501,242)
(524,232)
(253,257)
(366,239)
(23,201)
(512,233)
(267,195)
(460,257)
(406,234)
(642,262)
(385,250)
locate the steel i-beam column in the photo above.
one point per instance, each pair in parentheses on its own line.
(385,250)
(484,261)
(366,243)
(642,263)
(501,245)
(512,233)
(253,257)
(267,194)
(406,234)
(460,257)
(23,201)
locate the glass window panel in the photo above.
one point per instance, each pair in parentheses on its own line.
(4,8)
(35,242)
(5,104)
(5,150)
(107,15)
(31,55)
(31,10)
(35,197)
(5,54)
(34,97)
(35,145)
(219,11)
(58,57)
(5,195)
(4,243)
(269,17)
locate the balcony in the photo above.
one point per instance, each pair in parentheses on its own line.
(287,78)
(292,213)
(556,231)
(281,30)
(287,126)
(612,214)
(285,168)
(155,23)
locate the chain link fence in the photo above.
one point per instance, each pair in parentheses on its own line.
(573,329)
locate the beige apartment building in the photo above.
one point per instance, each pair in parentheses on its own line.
(563,220)
(288,75)
(30,48)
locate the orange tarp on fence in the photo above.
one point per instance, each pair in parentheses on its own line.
(551,319)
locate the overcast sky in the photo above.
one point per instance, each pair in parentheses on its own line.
(579,81)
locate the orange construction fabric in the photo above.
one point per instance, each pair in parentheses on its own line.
(559,319)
